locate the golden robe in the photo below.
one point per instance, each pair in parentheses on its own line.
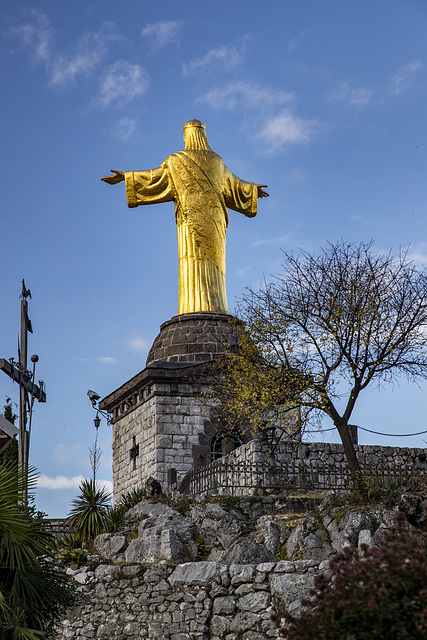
(202,188)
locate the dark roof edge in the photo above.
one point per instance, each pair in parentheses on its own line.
(154,371)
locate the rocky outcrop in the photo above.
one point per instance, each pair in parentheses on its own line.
(216,573)
(218,527)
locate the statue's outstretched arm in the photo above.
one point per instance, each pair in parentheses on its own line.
(118,176)
(261,192)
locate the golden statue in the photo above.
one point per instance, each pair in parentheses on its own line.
(202,188)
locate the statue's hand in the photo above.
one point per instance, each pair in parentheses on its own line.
(261,192)
(118,177)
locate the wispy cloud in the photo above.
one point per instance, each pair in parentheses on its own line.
(124,128)
(59,482)
(274,241)
(357,97)
(99,359)
(418,253)
(106,484)
(404,77)
(298,174)
(162,33)
(91,48)
(235,95)
(65,453)
(287,129)
(296,41)
(69,482)
(121,83)
(264,113)
(35,33)
(139,343)
(226,56)
(242,272)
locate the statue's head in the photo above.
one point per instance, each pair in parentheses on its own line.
(195,135)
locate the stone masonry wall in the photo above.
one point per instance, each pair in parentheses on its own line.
(255,465)
(192,601)
(260,555)
(400,459)
(403,459)
(179,422)
(126,472)
(165,424)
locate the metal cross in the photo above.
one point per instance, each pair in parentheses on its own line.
(134,452)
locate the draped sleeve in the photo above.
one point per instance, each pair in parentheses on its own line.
(240,195)
(149,187)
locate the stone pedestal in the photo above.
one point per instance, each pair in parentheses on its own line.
(160,423)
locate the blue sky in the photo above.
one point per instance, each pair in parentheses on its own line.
(323,101)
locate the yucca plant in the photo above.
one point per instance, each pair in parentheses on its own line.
(132,497)
(116,519)
(34,592)
(116,515)
(89,513)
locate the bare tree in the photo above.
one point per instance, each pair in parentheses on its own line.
(327,327)
(95,453)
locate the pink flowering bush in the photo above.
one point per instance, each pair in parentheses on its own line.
(372,593)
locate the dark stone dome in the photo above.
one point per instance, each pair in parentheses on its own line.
(193,337)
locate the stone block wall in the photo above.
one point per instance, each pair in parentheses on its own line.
(165,426)
(256,466)
(130,472)
(158,416)
(179,421)
(403,459)
(400,459)
(232,594)
(192,601)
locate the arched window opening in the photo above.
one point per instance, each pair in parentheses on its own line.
(223,443)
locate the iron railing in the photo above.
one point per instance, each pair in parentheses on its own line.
(244,478)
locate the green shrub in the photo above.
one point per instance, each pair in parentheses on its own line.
(387,488)
(115,519)
(70,541)
(89,513)
(132,498)
(116,515)
(75,558)
(34,592)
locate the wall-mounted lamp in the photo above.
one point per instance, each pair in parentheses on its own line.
(94,398)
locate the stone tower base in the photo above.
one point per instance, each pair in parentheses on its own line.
(161,425)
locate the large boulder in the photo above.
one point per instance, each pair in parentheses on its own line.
(147,509)
(247,551)
(201,574)
(309,541)
(288,589)
(269,534)
(111,545)
(218,527)
(164,537)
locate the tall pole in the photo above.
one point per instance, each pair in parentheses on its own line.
(23,380)
(23,434)
(19,373)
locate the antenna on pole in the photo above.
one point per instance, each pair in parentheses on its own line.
(27,388)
